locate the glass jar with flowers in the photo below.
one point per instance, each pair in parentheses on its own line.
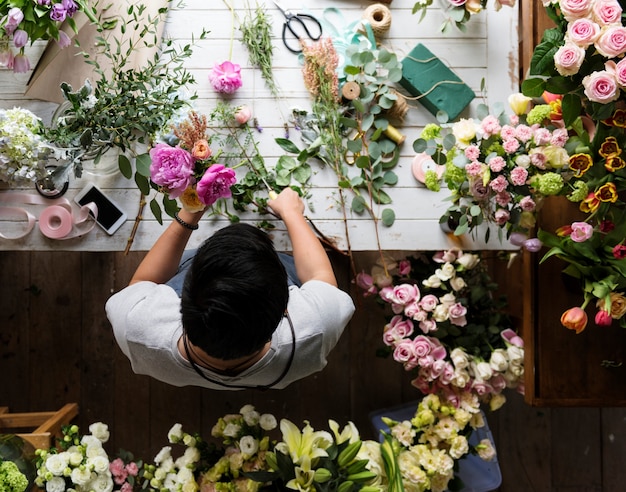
(23,22)
(124,106)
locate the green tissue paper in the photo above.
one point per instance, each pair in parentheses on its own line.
(425,75)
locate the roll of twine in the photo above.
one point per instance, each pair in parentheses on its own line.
(379,18)
(400,107)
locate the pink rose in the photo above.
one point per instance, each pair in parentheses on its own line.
(607,12)
(612,41)
(422,346)
(243,115)
(171,168)
(366,282)
(225,77)
(601,87)
(405,293)
(215,184)
(404,267)
(512,338)
(405,353)
(568,59)
(429,302)
(201,150)
(574,9)
(397,330)
(582,32)
(620,72)
(581,231)
(428,325)
(457,314)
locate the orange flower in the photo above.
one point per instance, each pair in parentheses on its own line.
(613,164)
(190,201)
(574,319)
(590,204)
(580,164)
(609,148)
(201,150)
(607,193)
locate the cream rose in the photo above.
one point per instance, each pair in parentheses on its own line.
(568,59)
(464,131)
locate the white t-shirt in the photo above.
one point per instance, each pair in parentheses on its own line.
(147,325)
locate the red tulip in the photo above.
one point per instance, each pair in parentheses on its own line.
(574,319)
(603,318)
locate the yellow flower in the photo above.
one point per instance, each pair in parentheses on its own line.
(519,103)
(304,476)
(190,201)
(308,444)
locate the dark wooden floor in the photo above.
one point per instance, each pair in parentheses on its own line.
(57,347)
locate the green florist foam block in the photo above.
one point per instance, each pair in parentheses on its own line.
(438,89)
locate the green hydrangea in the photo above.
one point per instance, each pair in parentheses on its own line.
(549,183)
(431,180)
(454,175)
(538,114)
(579,193)
(495,148)
(11,478)
(431,131)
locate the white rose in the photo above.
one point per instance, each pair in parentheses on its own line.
(232,430)
(248,445)
(102,483)
(75,455)
(482,370)
(457,283)
(516,354)
(175,434)
(461,378)
(267,422)
(464,130)
(251,418)
(433,282)
(459,358)
(440,313)
(99,464)
(517,369)
(523,160)
(468,260)
(165,453)
(499,360)
(446,272)
(100,431)
(80,476)
(57,463)
(55,484)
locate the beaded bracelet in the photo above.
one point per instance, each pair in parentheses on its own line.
(186,225)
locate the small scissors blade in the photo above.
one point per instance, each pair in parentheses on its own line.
(285,12)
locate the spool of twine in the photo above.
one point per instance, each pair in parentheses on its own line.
(400,107)
(379,18)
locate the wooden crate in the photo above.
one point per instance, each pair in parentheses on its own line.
(46,425)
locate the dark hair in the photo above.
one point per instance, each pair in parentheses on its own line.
(235,293)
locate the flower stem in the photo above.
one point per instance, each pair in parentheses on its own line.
(232,28)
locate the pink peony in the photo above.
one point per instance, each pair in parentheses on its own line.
(215,184)
(171,168)
(601,87)
(225,77)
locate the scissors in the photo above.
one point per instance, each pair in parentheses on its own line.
(300,26)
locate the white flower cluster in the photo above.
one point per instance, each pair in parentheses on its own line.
(22,148)
(82,467)
(176,474)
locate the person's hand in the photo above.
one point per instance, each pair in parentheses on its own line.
(287,202)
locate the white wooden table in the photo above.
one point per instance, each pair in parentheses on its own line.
(488,50)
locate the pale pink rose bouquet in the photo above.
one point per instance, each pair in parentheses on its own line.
(448,326)
(458,12)
(187,169)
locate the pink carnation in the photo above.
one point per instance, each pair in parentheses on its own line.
(501,216)
(523,133)
(474,168)
(490,125)
(496,164)
(527,204)
(559,137)
(215,184)
(225,77)
(171,168)
(503,198)
(507,132)
(519,176)
(472,152)
(510,145)
(542,136)
(499,184)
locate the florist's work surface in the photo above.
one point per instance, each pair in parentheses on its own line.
(243,454)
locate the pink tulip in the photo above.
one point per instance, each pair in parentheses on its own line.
(574,319)
(21,64)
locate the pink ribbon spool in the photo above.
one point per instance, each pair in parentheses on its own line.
(56,222)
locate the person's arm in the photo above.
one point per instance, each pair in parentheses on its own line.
(311,260)
(161,262)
